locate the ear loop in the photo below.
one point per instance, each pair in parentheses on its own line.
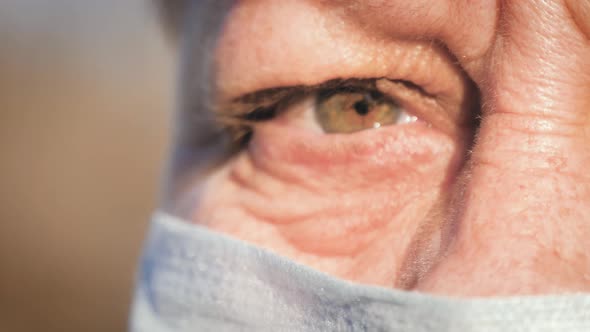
(198,144)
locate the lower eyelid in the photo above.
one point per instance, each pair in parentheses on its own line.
(279,140)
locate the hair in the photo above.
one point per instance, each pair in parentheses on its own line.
(170,12)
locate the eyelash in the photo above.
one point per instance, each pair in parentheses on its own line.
(265,105)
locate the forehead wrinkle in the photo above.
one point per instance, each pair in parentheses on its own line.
(466,27)
(268,44)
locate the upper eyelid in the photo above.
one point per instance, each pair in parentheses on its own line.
(272,96)
(241,106)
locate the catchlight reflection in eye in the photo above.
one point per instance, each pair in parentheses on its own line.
(351,111)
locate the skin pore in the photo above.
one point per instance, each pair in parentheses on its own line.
(486,193)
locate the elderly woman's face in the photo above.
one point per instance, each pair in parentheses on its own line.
(440,146)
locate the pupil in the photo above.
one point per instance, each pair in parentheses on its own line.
(361,107)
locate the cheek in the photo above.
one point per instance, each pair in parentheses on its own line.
(331,194)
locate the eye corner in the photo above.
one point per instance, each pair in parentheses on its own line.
(260,114)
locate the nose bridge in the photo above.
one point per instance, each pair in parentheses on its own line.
(522,224)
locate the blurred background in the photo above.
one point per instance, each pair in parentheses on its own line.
(85,93)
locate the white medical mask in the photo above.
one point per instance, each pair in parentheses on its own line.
(193,279)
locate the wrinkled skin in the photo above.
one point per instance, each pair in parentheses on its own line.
(427,206)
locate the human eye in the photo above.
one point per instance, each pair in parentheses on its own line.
(349,109)
(335,140)
(338,106)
